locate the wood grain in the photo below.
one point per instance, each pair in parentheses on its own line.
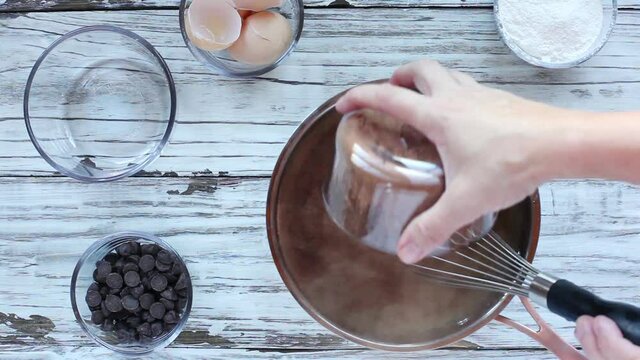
(58,5)
(63,353)
(241,125)
(590,234)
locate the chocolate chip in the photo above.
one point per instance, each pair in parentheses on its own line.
(164,257)
(147,263)
(146,300)
(103,267)
(171,279)
(104,291)
(107,325)
(183,293)
(156,329)
(158,282)
(145,282)
(149,249)
(124,250)
(99,277)
(144,329)
(114,291)
(132,279)
(113,303)
(130,267)
(133,259)
(171,317)
(182,303)
(157,310)
(121,315)
(137,291)
(134,247)
(119,264)
(126,291)
(93,298)
(162,266)
(130,303)
(123,335)
(181,283)
(146,316)
(169,294)
(176,269)
(134,321)
(114,280)
(111,258)
(104,310)
(94,286)
(97,317)
(168,304)
(121,325)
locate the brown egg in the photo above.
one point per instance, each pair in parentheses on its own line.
(257,5)
(245,13)
(264,38)
(212,25)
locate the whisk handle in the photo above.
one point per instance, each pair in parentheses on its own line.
(571,301)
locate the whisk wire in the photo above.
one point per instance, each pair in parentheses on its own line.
(494,265)
(450,278)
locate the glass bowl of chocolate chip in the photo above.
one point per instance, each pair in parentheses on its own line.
(131,292)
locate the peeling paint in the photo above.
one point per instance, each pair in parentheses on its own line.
(340,4)
(156,173)
(582,93)
(195,337)
(611,93)
(36,326)
(205,185)
(203,172)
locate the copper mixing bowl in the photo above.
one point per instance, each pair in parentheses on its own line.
(361,294)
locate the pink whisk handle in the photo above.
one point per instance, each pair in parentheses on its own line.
(545,335)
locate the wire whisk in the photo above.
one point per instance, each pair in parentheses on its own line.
(488,264)
(491,264)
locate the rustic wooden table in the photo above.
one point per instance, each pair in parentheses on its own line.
(206,194)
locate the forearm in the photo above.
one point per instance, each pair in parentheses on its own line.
(591,145)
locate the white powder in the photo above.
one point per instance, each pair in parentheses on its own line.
(554,31)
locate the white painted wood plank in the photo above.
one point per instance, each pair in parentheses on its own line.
(70,353)
(590,234)
(241,125)
(37,5)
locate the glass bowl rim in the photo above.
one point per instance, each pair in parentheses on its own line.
(172,92)
(99,244)
(523,55)
(243,74)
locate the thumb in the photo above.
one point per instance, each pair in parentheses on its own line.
(610,341)
(435,226)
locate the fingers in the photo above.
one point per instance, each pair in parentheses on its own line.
(602,340)
(435,226)
(403,104)
(584,333)
(426,76)
(610,341)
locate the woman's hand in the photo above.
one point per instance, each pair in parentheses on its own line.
(487,139)
(602,340)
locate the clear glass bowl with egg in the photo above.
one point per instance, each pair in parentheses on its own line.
(241,38)
(610,11)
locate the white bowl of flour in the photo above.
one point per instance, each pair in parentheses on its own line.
(555,33)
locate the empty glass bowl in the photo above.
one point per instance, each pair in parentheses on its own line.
(292,10)
(100,103)
(83,277)
(610,11)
